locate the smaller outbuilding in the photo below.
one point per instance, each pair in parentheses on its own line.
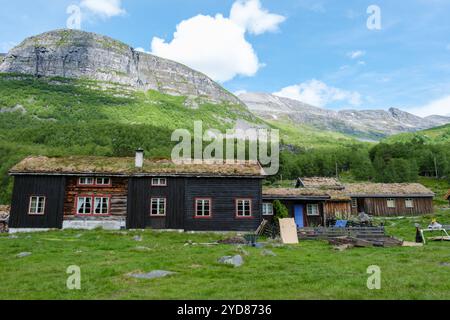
(306,205)
(393,199)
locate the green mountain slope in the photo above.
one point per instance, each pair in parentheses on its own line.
(58,116)
(431,136)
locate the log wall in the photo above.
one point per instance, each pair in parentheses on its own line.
(118,192)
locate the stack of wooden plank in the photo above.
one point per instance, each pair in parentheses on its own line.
(360,242)
(355,232)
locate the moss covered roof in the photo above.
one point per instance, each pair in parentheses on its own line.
(388,189)
(295,193)
(126,167)
(320,182)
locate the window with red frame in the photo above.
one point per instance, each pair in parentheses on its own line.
(244,208)
(93,205)
(203,208)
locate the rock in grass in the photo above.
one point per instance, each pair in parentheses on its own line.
(270,253)
(152,275)
(142,248)
(137,238)
(23,254)
(235,261)
(242,250)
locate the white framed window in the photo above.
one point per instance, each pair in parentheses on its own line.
(244,208)
(103,181)
(391,203)
(159,182)
(409,203)
(312,209)
(203,208)
(86,181)
(158,207)
(101,205)
(37,205)
(354,203)
(267,209)
(84,205)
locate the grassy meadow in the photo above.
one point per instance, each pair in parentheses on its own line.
(310,270)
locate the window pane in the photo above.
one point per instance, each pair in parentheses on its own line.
(33,204)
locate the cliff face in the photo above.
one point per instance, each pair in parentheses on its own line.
(78,54)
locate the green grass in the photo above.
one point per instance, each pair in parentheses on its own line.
(439,186)
(310,270)
(430,136)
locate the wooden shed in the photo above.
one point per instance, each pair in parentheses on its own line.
(394,199)
(306,205)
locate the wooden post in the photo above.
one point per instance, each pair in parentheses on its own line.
(436,168)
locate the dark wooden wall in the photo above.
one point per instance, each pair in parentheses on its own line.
(378,206)
(118,192)
(26,186)
(139,198)
(223,192)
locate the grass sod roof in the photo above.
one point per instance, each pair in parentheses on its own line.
(295,193)
(126,167)
(321,182)
(388,190)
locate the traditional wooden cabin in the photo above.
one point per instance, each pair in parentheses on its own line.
(88,192)
(381,199)
(338,204)
(306,205)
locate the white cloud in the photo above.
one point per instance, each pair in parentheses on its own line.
(356,54)
(318,93)
(91,9)
(436,107)
(104,8)
(252,17)
(217,45)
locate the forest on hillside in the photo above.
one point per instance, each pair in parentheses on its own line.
(65,117)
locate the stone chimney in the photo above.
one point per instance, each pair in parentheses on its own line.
(139,161)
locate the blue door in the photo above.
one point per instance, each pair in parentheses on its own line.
(298,209)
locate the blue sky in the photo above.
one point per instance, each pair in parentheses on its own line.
(318,51)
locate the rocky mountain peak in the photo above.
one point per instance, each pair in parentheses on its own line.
(79,54)
(365,124)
